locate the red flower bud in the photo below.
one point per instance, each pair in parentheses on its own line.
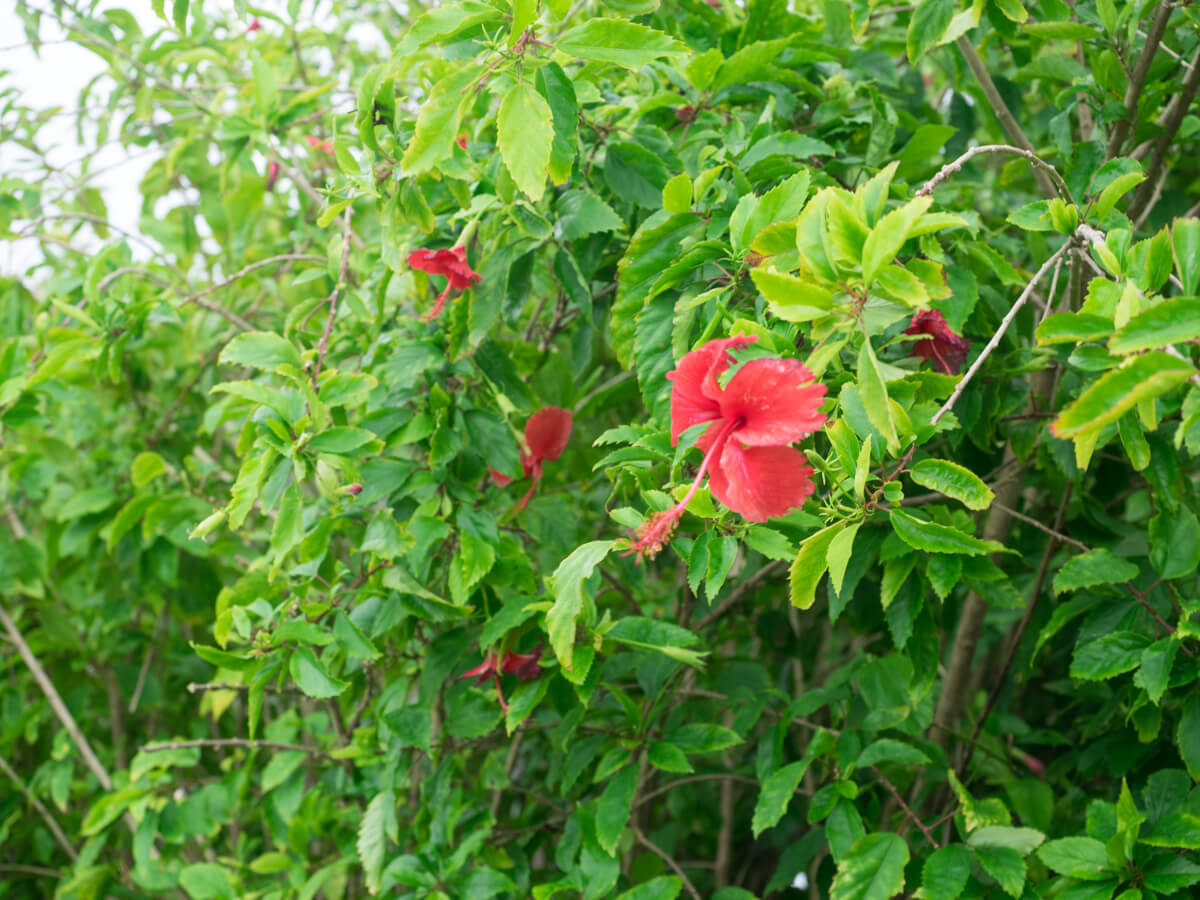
(461,140)
(325,147)
(253,26)
(272,174)
(353,489)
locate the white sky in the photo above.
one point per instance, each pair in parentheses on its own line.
(54,77)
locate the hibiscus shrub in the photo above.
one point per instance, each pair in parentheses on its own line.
(606,449)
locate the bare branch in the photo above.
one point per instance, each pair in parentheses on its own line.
(51,822)
(231,742)
(952,167)
(1137,78)
(667,858)
(323,345)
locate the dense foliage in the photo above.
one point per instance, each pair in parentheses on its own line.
(606,449)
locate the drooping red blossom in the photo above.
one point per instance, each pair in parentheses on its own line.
(325,147)
(947,350)
(272,174)
(253,26)
(546,436)
(461,140)
(526,666)
(767,405)
(450,263)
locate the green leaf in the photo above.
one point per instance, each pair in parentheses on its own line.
(207,881)
(614,806)
(1173,321)
(145,468)
(1154,674)
(1078,857)
(556,86)
(580,213)
(1108,655)
(792,299)
(890,750)
(310,675)
(934,538)
(927,26)
(1073,328)
(635,174)
(1113,191)
(618,41)
(664,887)
(340,440)
(437,122)
(1185,241)
(873,869)
(567,587)
(525,133)
(1023,840)
(838,555)
(1106,400)
(669,758)
(1177,829)
(875,399)
(889,235)
(954,481)
(1005,865)
(377,823)
(260,350)
(1168,873)
(1187,737)
(809,565)
(777,792)
(289,524)
(945,873)
(1091,568)
(677,194)
(703,737)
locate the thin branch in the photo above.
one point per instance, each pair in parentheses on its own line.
(667,858)
(1137,78)
(242,273)
(47,817)
(1176,111)
(1038,582)
(41,871)
(197,687)
(691,779)
(739,592)
(1053,532)
(323,345)
(912,816)
(231,742)
(1007,121)
(56,702)
(952,167)
(995,340)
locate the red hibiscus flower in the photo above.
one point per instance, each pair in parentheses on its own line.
(450,263)
(325,147)
(546,435)
(946,349)
(767,404)
(526,666)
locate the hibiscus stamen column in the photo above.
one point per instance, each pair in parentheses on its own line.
(656,530)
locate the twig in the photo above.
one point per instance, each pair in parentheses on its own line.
(1137,78)
(1038,582)
(1053,532)
(952,167)
(47,817)
(667,858)
(995,340)
(56,703)
(1176,112)
(195,687)
(1007,121)
(231,742)
(242,273)
(691,779)
(323,345)
(912,816)
(739,592)
(17,869)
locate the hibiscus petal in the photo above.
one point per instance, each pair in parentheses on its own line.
(690,405)
(481,672)
(760,483)
(427,261)
(547,433)
(776,400)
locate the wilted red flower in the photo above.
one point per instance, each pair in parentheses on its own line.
(947,349)
(461,140)
(546,435)
(317,144)
(450,263)
(767,404)
(526,666)
(685,113)
(272,174)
